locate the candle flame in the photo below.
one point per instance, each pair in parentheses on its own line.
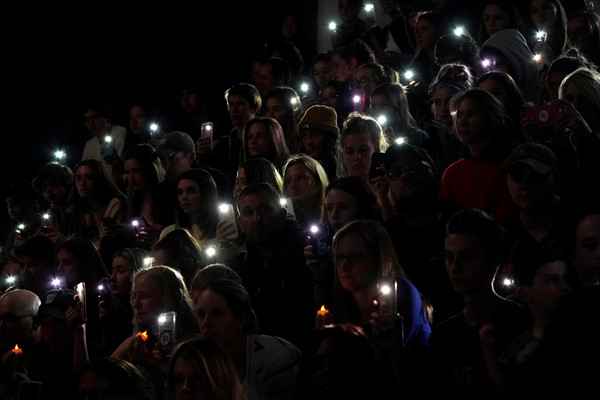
(323,310)
(17,350)
(143,335)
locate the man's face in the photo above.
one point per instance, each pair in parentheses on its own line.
(411,176)
(587,251)
(240,111)
(259,219)
(189,101)
(57,334)
(177,164)
(16,325)
(54,193)
(94,121)
(35,274)
(469,268)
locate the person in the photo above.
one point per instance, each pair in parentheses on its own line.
(453,48)
(111,376)
(98,203)
(177,155)
(481,123)
(56,184)
(345,60)
(388,99)
(264,138)
(498,15)
(321,69)
(180,250)
(146,198)
(37,260)
(199,106)
(318,130)
(562,66)
(304,182)
(268,365)
(337,95)
(364,80)
(283,104)
(353,27)
(272,266)
(587,249)
(365,261)
(139,124)
(201,368)
(548,17)
(156,289)
(583,33)
(257,170)
(361,136)
(455,356)
(273,71)
(293,31)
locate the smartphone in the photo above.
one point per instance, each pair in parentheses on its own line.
(207,132)
(226,213)
(139,223)
(167,330)
(30,390)
(317,238)
(388,291)
(103,292)
(81,293)
(544,115)
(377,160)
(286,203)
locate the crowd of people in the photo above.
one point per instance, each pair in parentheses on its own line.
(371,234)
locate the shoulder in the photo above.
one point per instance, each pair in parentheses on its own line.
(166,230)
(273,351)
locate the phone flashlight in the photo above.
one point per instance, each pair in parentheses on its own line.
(332,26)
(108,139)
(409,75)
(56,283)
(369,7)
(304,88)
(10,280)
(382,119)
(59,155)
(459,31)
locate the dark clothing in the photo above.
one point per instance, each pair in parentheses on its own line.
(227,155)
(282,290)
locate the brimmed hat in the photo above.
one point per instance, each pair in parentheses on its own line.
(320,117)
(399,148)
(56,302)
(175,141)
(539,157)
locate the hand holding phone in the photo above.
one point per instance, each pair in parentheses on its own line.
(544,115)
(377,169)
(81,296)
(167,331)
(226,213)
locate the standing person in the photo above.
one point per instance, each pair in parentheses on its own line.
(318,130)
(455,361)
(283,104)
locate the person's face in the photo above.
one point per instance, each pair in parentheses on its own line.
(530,190)
(258,140)
(54,193)
(240,182)
(121,277)
(189,101)
(379,106)
(492,86)
(133,172)
(177,164)
(340,69)
(329,97)
(578,34)
(348,12)
(410,175)
(274,109)
(57,334)
(425,35)
(14,208)
(162,257)
(363,81)
(587,250)
(588,110)
(495,19)
(389,6)
(68,267)
(441,105)
(554,80)
(543,14)
(240,111)
(467,265)
(137,119)
(34,272)
(188,196)
(312,141)
(91,385)
(146,301)
(549,286)
(357,276)
(341,207)
(321,72)
(94,121)
(357,150)
(15,326)
(266,81)
(188,384)
(470,122)
(216,319)
(85,181)
(260,220)
(299,184)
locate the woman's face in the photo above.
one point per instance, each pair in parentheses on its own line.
(133,172)
(329,97)
(340,69)
(470,122)
(216,320)
(355,263)
(495,19)
(357,150)
(146,301)
(137,119)
(258,141)
(322,72)
(68,267)
(299,184)
(425,34)
(578,34)
(85,181)
(188,196)
(121,277)
(312,141)
(341,207)
(240,182)
(187,382)
(274,109)
(543,14)
(498,91)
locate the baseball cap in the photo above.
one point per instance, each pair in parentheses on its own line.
(538,156)
(175,141)
(320,117)
(397,149)
(55,302)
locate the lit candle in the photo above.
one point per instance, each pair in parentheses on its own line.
(143,335)
(323,311)
(17,350)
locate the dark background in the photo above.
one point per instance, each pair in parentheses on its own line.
(55,54)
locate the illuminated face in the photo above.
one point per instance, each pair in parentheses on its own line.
(467,265)
(341,207)
(381,106)
(299,184)
(121,277)
(357,276)
(578,34)
(357,150)
(441,105)
(146,300)
(495,19)
(240,182)
(543,14)
(274,109)
(259,219)
(133,172)
(470,122)
(15,328)
(363,81)
(312,141)
(137,119)
(85,181)
(341,70)
(258,140)
(530,190)
(587,250)
(410,176)
(216,320)
(68,267)
(188,196)
(321,72)
(94,122)
(425,34)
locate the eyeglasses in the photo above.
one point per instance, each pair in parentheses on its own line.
(12,318)
(360,83)
(353,258)
(409,168)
